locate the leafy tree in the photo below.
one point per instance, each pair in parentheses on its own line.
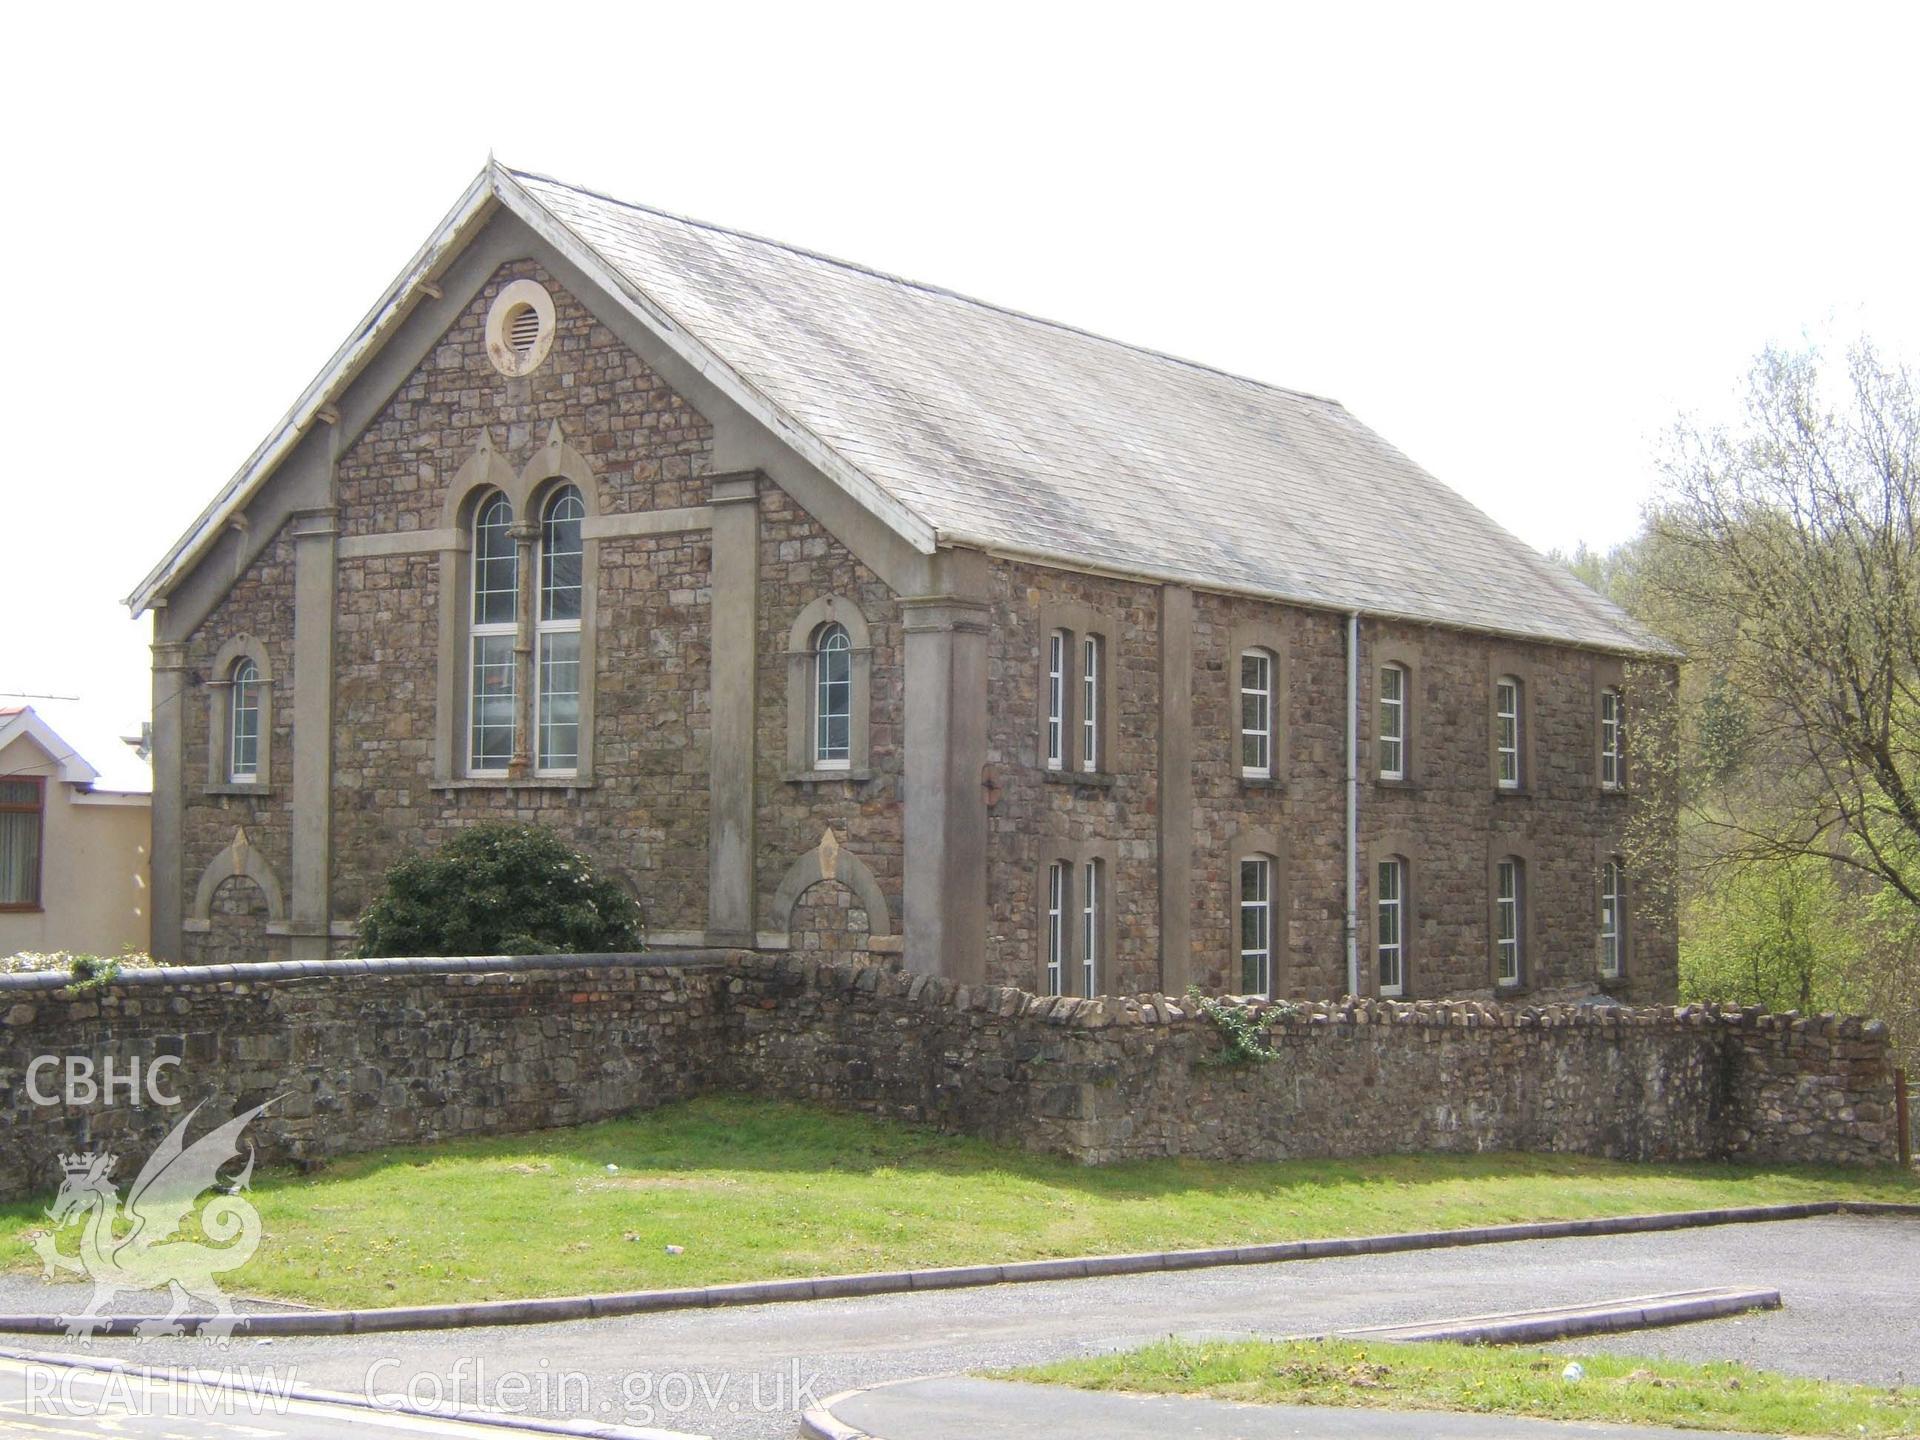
(500,889)
(1789,546)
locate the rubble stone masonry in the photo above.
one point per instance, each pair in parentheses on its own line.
(375,1053)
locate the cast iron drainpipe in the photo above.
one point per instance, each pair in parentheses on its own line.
(1353,802)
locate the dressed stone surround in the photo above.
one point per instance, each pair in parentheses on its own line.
(367,1053)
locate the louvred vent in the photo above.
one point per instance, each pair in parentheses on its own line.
(523,330)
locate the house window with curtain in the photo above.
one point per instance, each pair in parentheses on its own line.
(833,698)
(557,663)
(22,823)
(1391,904)
(492,625)
(1256,715)
(243,723)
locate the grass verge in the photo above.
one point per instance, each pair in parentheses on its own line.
(1494,1380)
(754,1190)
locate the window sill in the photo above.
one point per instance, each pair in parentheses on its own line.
(1513,792)
(11,909)
(1090,779)
(507,782)
(1263,782)
(260,791)
(1613,790)
(816,777)
(1382,782)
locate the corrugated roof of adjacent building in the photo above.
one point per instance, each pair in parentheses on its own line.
(1004,430)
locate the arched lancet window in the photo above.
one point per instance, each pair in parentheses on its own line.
(833,698)
(243,723)
(494,619)
(557,697)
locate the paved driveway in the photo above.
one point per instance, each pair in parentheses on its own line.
(1849,1283)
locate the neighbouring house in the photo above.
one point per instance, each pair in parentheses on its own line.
(74,811)
(848,614)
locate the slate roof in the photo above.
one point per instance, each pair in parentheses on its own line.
(1001,429)
(962,422)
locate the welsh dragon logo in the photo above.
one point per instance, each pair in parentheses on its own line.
(131,1249)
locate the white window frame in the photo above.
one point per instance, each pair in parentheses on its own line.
(1056,699)
(1390,933)
(479,633)
(243,699)
(1090,902)
(1261,734)
(1393,723)
(1256,900)
(1090,647)
(823,648)
(547,628)
(1612,748)
(1612,931)
(1507,713)
(1056,937)
(1509,918)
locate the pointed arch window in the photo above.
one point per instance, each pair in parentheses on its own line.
(492,691)
(557,699)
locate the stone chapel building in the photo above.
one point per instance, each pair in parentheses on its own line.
(842,612)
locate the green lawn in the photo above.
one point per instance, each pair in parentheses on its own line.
(753,1190)
(1494,1380)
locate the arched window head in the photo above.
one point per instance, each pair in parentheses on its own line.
(1256,714)
(1509,920)
(1390,908)
(1613,930)
(495,610)
(560,552)
(243,723)
(833,698)
(1256,924)
(557,665)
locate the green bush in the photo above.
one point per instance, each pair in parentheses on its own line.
(500,890)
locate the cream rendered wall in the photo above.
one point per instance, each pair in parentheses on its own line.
(94,884)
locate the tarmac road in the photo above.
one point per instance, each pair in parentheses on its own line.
(1851,1286)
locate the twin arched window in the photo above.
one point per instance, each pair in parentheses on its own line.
(494,624)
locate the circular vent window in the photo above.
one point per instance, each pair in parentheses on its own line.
(520,327)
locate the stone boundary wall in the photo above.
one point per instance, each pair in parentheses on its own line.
(369,1053)
(365,1053)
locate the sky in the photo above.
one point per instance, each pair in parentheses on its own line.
(1516,240)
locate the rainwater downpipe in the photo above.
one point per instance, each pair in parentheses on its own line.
(1353,803)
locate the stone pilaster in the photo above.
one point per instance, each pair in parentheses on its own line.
(735,618)
(315,536)
(945,864)
(1176,789)
(168,904)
